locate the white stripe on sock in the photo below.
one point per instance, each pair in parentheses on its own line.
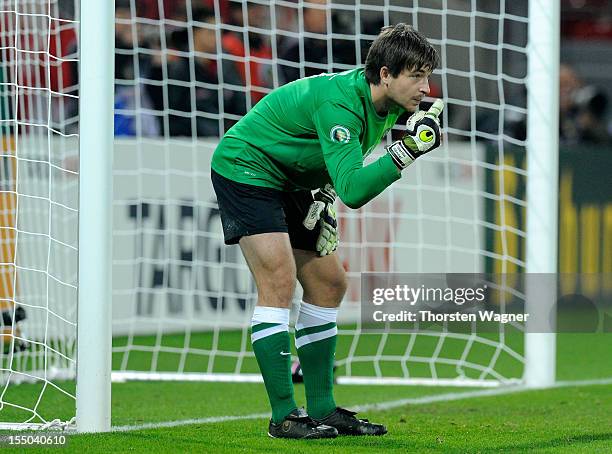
(264,314)
(311,315)
(313,337)
(268,332)
(329,314)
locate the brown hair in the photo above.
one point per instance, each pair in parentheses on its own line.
(399,47)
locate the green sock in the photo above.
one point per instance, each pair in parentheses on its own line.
(270,344)
(315,339)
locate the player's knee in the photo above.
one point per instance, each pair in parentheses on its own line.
(278,287)
(284,283)
(336,286)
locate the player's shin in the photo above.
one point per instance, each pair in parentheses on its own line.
(271,344)
(315,339)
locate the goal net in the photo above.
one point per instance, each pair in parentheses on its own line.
(182,300)
(38,210)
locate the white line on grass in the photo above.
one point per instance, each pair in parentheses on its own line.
(447,397)
(478,393)
(186,422)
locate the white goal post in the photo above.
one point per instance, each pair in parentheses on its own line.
(542,181)
(94,328)
(149,236)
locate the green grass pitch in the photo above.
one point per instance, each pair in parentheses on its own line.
(567,419)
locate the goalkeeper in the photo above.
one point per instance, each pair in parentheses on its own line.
(313,134)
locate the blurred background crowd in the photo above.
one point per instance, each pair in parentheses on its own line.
(195,55)
(194,67)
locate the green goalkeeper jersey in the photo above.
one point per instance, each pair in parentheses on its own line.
(310,132)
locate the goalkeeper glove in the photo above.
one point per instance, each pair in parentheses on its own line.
(322,212)
(10,331)
(422,135)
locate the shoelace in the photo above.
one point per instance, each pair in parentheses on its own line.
(304,420)
(352,414)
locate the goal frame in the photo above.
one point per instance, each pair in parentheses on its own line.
(541,226)
(94,328)
(96,135)
(542,183)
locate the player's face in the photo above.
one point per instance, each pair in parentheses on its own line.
(409,88)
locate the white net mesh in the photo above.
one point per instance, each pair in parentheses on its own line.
(38,208)
(182,300)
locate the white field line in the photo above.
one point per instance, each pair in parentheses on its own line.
(185,422)
(447,397)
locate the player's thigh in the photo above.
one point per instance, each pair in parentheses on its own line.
(270,259)
(247,210)
(254,217)
(322,278)
(295,206)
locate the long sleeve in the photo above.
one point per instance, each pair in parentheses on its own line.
(339,131)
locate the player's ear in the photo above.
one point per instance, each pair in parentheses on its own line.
(385,75)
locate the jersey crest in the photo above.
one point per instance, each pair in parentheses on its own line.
(340,134)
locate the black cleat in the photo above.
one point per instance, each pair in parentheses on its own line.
(347,424)
(298,424)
